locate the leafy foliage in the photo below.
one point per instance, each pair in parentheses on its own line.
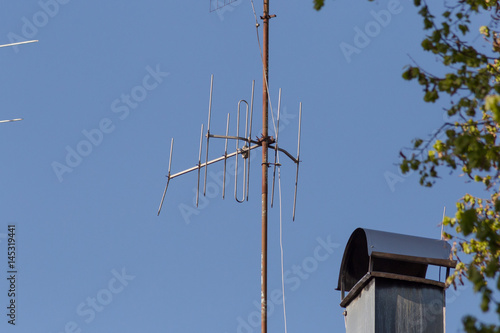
(469,143)
(318,4)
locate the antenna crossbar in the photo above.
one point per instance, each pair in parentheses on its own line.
(234,138)
(202,165)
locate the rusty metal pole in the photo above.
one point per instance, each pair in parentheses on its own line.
(265,165)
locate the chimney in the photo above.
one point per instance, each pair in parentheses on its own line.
(384,276)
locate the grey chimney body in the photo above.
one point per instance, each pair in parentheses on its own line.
(385,277)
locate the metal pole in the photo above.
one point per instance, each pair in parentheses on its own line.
(265,143)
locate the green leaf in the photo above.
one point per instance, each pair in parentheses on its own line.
(407,74)
(497,208)
(467,220)
(427,44)
(318,4)
(431,96)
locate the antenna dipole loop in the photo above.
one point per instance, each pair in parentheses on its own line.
(243,151)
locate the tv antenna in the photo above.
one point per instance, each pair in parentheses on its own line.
(15,44)
(265,141)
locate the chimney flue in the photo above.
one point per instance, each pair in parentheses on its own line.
(384,276)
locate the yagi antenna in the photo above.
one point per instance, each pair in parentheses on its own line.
(244,145)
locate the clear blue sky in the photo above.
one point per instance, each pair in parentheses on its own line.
(107,87)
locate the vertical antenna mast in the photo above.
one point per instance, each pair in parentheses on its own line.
(265,165)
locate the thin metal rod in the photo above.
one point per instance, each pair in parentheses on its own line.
(251,111)
(298,162)
(170,158)
(250,138)
(284,152)
(168,176)
(255,142)
(242,138)
(225,160)
(10,120)
(441,236)
(199,167)
(19,43)
(271,146)
(208,132)
(276,147)
(265,138)
(163,197)
(209,163)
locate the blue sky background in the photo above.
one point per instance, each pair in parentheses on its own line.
(199,271)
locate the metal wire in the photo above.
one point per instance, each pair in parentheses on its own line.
(281,248)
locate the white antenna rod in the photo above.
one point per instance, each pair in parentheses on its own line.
(19,43)
(442,222)
(11,120)
(442,229)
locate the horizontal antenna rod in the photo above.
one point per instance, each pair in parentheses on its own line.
(19,43)
(271,146)
(234,138)
(11,120)
(202,165)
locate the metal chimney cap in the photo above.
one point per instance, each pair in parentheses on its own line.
(402,252)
